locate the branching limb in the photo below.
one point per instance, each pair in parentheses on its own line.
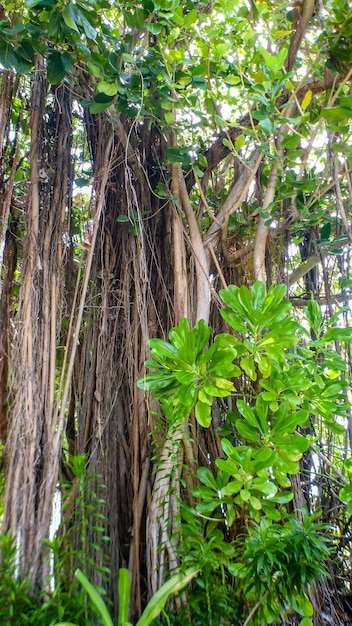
(201,261)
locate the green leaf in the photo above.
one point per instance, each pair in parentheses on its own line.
(346,493)
(89,30)
(203,414)
(95,598)
(232,487)
(247,432)
(159,599)
(55,68)
(155,28)
(233,320)
(337,113)
(338,334)
(136,19)
(98,107)
(206,477)
(69,17)
(258,293)
(295,444)
(169,118)
(274,62)
(304,606)
(245,495)
(264,486)
(124,586)
(8,57)
(247,413)
(255,503)
(247,363)
(110,89)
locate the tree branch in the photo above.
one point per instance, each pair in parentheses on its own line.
(303,18)
(234,199)
(218,151)
(314,260)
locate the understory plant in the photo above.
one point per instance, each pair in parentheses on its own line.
(155,605)
(257,552)
(63,598)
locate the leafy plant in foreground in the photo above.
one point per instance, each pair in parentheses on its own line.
(154,607)
(17,600)
(290,379)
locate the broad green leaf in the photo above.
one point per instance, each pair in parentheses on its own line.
(229,449)
(124,586)
(295,444)
(346,493)
(247,432)
(8,57)
(156,380)
(304,606)
(155,28)
(67,62)
(230,515)
(247,413)
(288,423)
(290,142)
(255,503)
(245,495)
(258,293)
(169,118)
(89,30)
(206,494)
(69,17)
(264,486)
(206,477)
(230,467)
(95,598)
(336,428)
(159,599)
(110,89)
(203,397)
(231,488)
(185,377)
(233,320)
(203,414)
(337,113)
(338,334)
(262,458)
(247,363)
(55,68)
(96,70)
(274,62)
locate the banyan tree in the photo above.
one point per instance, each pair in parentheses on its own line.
(153,153)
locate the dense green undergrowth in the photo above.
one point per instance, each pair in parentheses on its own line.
(249,554)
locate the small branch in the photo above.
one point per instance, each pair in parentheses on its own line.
(303,18)
(204,200)
(302,302)
(217,265)
(329,464)
(255,608)
(201,261)
(263,229)
(234,199)
(314,260)
(218,151)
